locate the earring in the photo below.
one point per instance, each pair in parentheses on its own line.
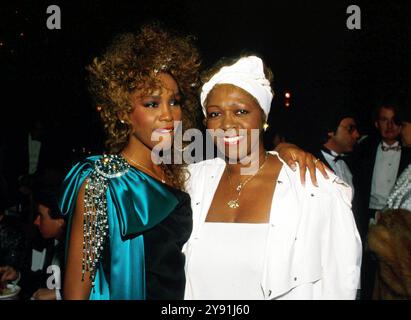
(265,126)
(122,121)
(180,149)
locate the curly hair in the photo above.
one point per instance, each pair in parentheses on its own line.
(131,63)
(390,240)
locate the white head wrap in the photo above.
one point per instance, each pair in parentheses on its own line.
(248,74)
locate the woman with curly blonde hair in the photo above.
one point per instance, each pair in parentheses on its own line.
(128,218)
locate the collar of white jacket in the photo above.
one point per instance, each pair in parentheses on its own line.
(248,74)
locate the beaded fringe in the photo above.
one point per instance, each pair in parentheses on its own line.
(95,223)
(95,226)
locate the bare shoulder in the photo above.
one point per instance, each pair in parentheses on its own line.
(273,165)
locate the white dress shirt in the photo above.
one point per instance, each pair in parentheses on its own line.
(34,153)
(37,259)
(339,167)
(37,263)
(384,175)
(313,249)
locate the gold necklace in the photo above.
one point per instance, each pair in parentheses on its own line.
(144,167)
(235,203)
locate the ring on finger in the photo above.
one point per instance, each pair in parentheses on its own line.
(316,160)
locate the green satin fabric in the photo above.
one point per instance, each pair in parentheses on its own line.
(135,203)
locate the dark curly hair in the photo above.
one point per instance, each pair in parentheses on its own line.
(131,63)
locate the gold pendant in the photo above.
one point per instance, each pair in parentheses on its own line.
(233,204)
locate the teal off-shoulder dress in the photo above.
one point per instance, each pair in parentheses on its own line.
(134,230)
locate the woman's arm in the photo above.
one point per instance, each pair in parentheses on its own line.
(292,154)
(74,288)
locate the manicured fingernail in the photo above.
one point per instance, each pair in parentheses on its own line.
(293,167)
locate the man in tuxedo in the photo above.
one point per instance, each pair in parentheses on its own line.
(42,279)
(380,160)
(29,150)
(340,143)
(339,136)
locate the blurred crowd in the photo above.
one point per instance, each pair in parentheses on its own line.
(33,162)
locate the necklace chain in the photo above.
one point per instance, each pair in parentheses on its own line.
(144,167)
(234,203)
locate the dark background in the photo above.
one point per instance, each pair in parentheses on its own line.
(306,44)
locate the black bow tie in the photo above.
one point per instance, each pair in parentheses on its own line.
(336,158)
(393,148)
(339,157)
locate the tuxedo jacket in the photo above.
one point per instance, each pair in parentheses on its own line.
(31,281)
(364,158)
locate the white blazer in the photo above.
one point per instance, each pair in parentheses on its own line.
(313,247)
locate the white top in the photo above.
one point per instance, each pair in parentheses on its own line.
(313,249)
(340,168)
(34,153)
(384,175)
(228,262)
(38,258)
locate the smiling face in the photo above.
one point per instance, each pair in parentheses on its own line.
(153,114)
(231,109)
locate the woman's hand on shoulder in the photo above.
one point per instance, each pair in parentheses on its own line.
(293,154)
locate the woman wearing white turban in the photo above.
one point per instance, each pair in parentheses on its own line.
(259,233)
